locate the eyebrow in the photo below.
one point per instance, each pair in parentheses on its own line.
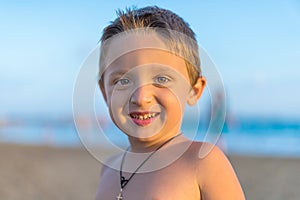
(122,72)
(118,73)
(165,70)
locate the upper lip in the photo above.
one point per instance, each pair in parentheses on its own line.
(143,115)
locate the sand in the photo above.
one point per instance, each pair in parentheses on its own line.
(33,172)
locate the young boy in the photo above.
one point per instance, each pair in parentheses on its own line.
(149,71)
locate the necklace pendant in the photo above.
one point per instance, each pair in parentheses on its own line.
(124,181)
(120,196)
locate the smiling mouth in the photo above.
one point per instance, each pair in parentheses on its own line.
(143,118)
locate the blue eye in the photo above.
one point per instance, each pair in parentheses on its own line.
(162,80)
(123,82)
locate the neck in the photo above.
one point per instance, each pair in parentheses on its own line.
(150,144)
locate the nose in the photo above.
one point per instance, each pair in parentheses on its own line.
(142,96)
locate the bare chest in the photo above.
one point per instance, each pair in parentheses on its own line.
(168,183)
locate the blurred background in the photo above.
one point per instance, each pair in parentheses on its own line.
(254,44)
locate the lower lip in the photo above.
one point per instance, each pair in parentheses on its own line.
(144,122)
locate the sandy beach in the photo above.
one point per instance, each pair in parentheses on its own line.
(33,172)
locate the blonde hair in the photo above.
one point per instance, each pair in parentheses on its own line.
(175,31)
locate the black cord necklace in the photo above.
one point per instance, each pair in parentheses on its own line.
(123,180)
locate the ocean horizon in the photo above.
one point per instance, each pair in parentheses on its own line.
(250,136)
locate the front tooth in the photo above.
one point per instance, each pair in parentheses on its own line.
(144,117)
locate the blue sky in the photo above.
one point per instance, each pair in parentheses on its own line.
(255,44)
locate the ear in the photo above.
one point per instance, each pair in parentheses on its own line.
(101,85)
(196,91)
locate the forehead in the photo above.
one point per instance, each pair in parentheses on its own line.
(157,59)
(140,47)
(124,43)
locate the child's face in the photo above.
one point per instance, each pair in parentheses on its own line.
(146,91)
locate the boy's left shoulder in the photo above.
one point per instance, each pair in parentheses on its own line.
(206,154)
(212,168)
(203,151)
(206,159)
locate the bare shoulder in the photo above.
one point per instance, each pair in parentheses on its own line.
(108,177)
(215,174)
(111,163)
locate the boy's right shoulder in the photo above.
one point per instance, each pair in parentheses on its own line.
(112,162)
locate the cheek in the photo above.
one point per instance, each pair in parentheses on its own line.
(172,101)
(173,109)
(118,108)
(118,103)
(179,95)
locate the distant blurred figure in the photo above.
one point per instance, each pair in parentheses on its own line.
(221,119)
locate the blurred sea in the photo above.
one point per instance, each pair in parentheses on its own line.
(248,136)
